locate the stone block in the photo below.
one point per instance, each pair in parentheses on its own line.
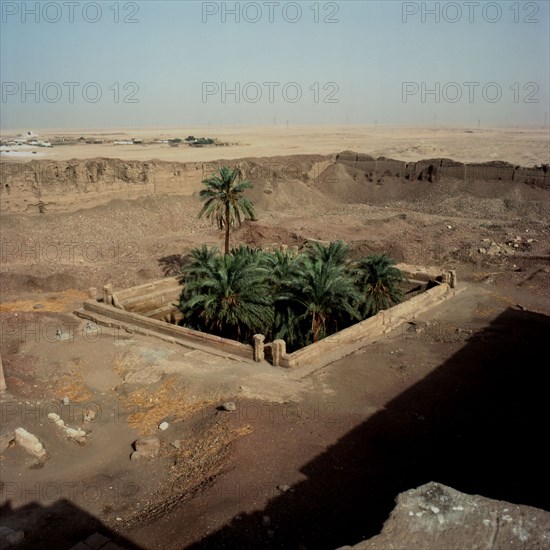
(30,443)
(148,446)
(259,347)
(108,294)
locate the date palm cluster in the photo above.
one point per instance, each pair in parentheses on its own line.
(300,297)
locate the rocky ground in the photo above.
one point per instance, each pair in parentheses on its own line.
(434,516)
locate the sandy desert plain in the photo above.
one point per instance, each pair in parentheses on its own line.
(312,460)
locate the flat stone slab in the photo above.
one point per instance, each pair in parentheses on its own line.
(148,446)
(434,516)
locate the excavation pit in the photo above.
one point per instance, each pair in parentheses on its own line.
(150,309)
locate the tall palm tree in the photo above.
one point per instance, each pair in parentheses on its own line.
(231,297)
(378,281)
(225,203)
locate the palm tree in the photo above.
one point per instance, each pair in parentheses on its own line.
(323,295)
(198,263)
(336,252)
(230,296)
(283,265)
(256,255)
(379,283)
(224,200)
(301,297)
(284,268)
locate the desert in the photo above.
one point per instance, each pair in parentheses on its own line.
(90,215)
(523,146)
(274,275)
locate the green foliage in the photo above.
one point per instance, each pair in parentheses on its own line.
(200,262)
(200,141)
(227,295)
(284,269)
(378,281)
(224,202)
(335,253)
(300,297)
(321,293)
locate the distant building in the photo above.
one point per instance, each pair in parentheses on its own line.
(29,135)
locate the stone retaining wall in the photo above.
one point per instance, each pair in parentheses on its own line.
(346,341)
(154,300)
(150,309)
(135,322)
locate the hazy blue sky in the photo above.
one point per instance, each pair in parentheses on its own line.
(352,62)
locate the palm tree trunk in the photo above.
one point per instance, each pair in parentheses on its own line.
(227,228)
(315,328)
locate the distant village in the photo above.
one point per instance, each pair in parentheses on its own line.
(30,139)
(190,141)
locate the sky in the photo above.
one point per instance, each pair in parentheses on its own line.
(110,64)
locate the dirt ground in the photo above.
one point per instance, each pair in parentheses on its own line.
(305,461)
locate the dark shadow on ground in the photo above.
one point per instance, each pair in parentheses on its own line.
(173,264)
(477,424)
(58,526)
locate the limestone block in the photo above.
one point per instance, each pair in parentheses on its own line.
(30,443)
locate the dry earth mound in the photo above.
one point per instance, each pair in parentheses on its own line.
(81,223)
